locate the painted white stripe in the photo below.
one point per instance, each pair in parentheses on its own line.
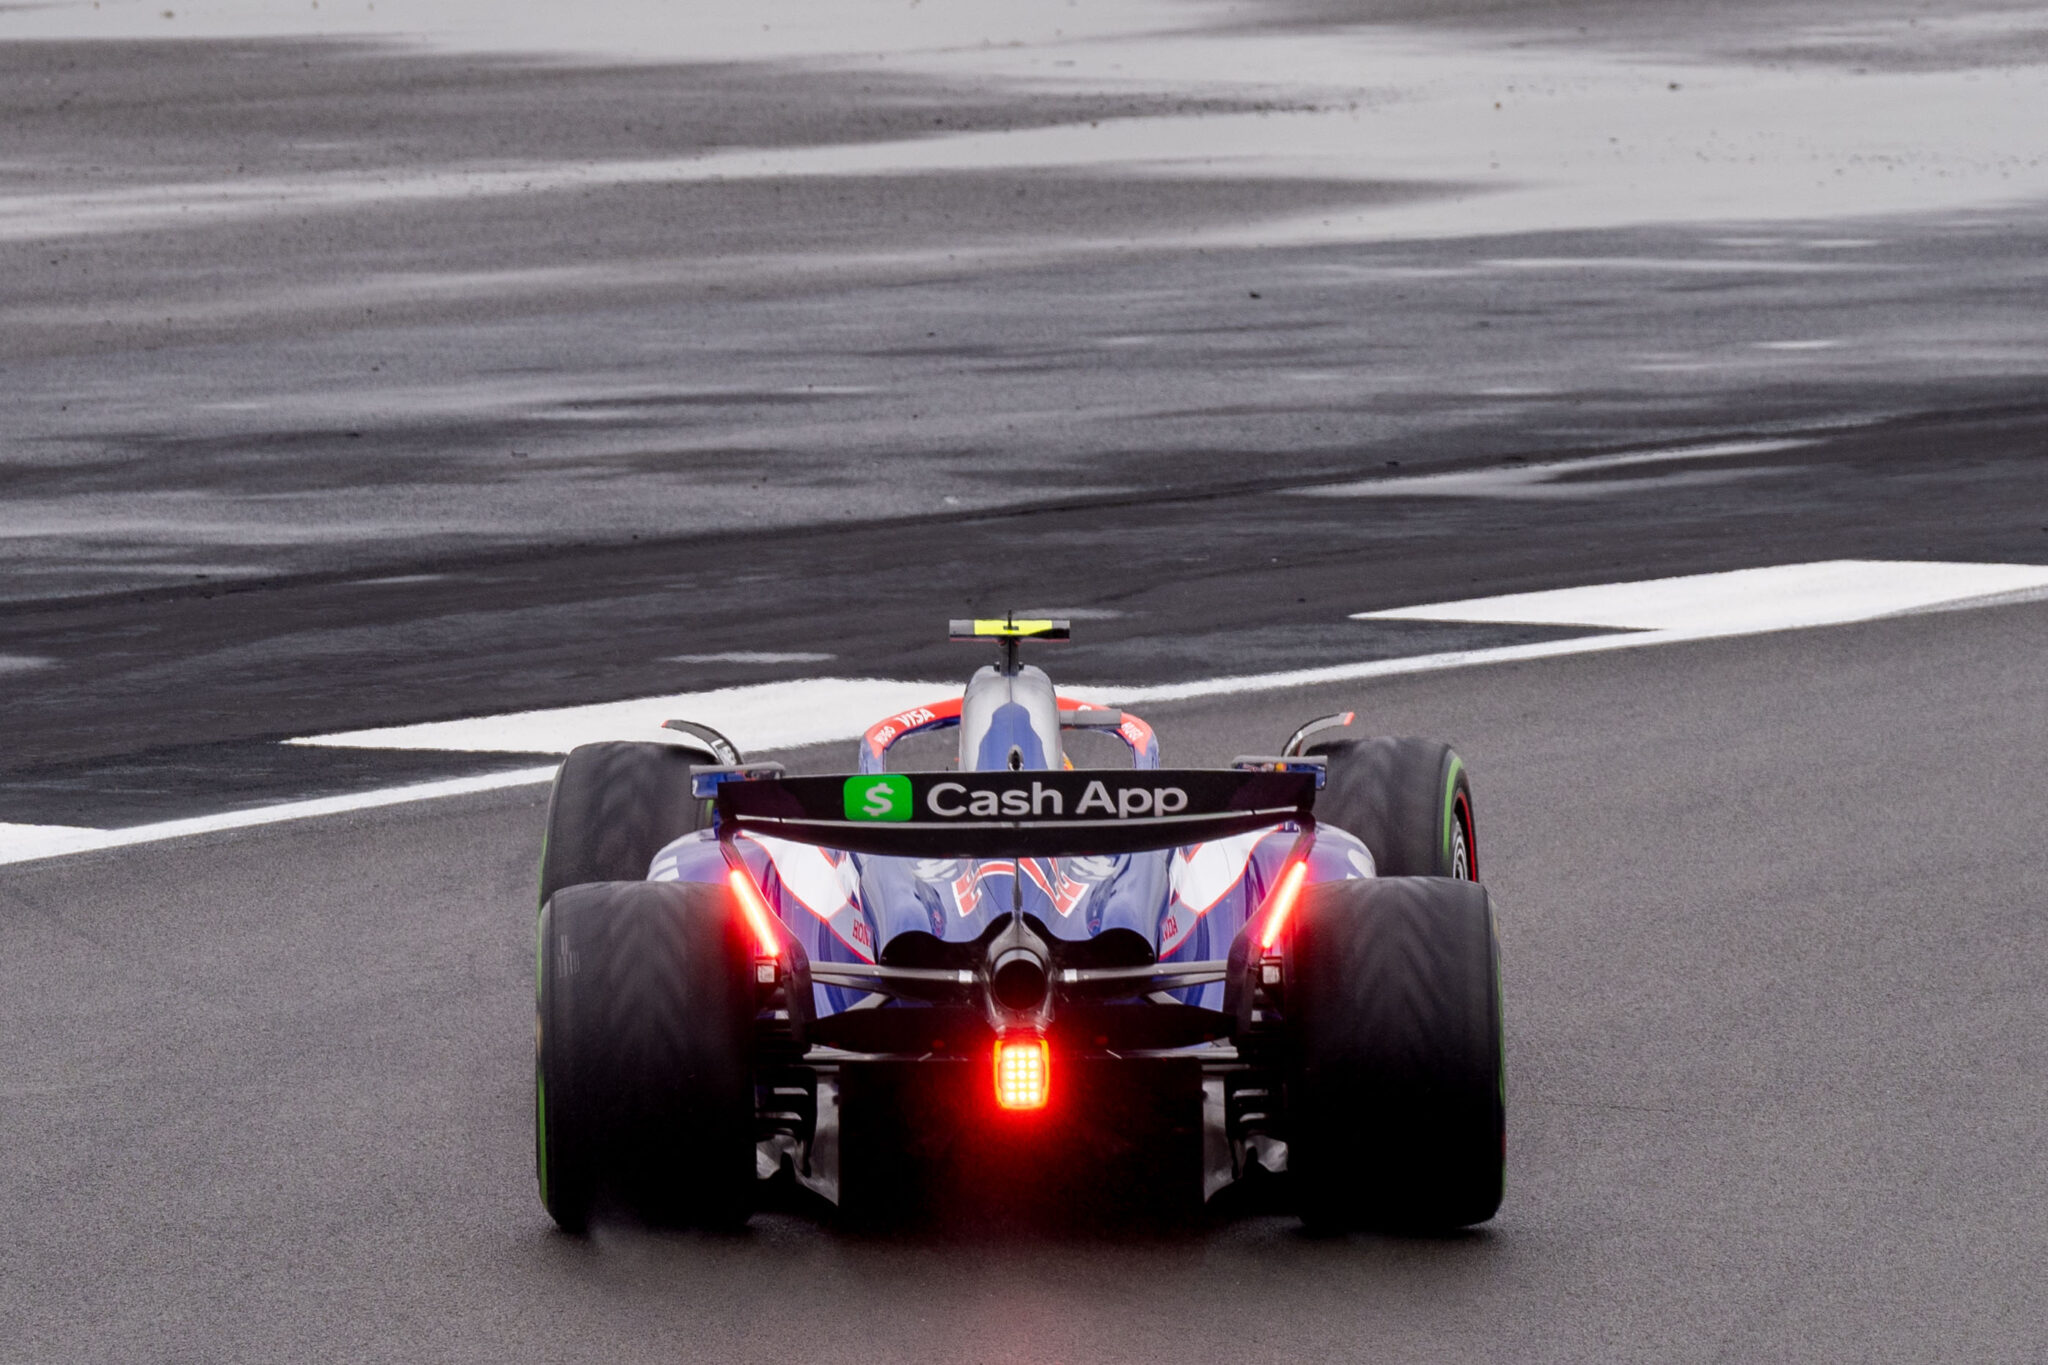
(19,842)
(51,841)
(1784,597)
(1391,668)
(1656,612)
(1842,591)
(777,715)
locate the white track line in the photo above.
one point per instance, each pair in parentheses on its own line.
(788,714)
(57,841)
(1662,611)
(1744,601)
(777,715)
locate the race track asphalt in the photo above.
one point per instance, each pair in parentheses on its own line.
(1772,913)
(319,416)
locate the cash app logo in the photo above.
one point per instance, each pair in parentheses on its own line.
(886,797)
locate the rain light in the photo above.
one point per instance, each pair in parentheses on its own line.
(1023,1072)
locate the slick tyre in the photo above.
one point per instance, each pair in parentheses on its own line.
(613,807)
(643,1079)
(1408,799)
(1396,1100)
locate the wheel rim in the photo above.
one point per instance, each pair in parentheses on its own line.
(1461,855)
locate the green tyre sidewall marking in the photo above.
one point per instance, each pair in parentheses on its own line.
(1451,771)
(540,876)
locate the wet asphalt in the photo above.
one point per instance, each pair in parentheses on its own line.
(1773,943)
(1772,907)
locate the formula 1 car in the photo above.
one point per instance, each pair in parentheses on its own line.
(1286,964)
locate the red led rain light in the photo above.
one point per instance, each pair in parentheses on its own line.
(1023,1073)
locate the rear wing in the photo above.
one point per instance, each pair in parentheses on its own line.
(1036,814)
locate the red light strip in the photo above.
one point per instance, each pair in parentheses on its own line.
(1284,897)
(1023,1073)
(759,919)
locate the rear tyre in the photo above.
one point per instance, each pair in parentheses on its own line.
(1397,1114)
(613,807)
(643,1081)
(1408,799)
